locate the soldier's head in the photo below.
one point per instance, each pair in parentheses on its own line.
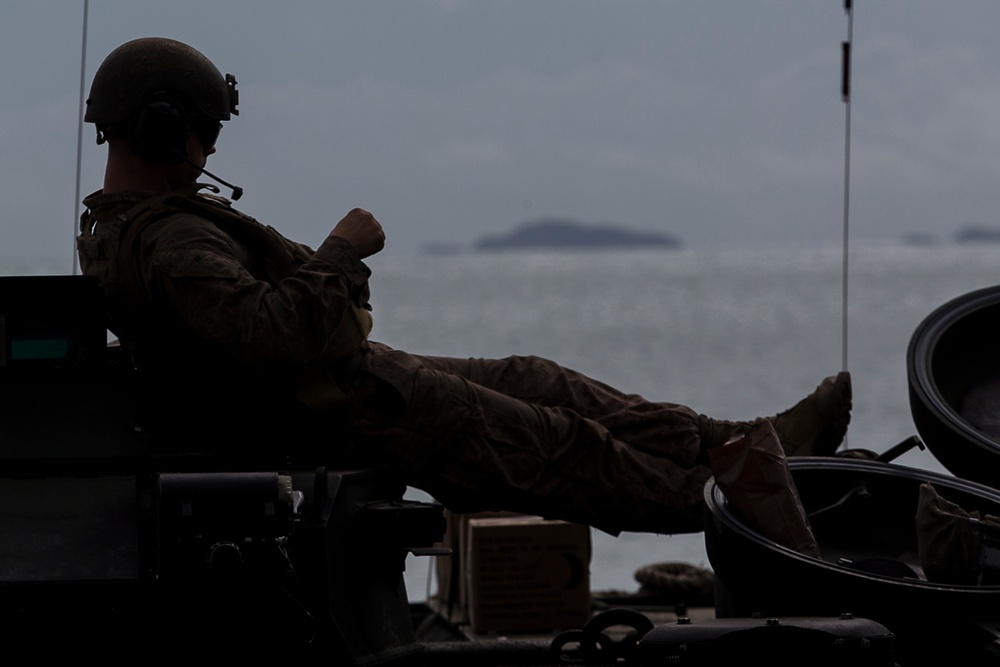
(154,94)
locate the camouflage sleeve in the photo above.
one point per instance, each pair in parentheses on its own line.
(194,271)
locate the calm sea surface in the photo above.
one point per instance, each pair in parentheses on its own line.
(733,334)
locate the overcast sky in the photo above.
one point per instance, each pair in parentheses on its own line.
(720,122)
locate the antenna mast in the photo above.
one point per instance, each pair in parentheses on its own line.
(79,136)
(845,91)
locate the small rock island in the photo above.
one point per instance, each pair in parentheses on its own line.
(557,234)
(978,234)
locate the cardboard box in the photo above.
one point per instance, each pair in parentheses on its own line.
(451,596)
(526,574)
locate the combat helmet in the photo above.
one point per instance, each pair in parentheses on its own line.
(155,92)
(151,65)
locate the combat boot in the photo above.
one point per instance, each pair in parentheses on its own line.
(815,426)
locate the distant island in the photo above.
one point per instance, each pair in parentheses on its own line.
(978,234)
(554,234)
(967,235)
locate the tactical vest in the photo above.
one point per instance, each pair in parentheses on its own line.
(113,254)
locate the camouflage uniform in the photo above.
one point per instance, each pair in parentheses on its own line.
(520,434)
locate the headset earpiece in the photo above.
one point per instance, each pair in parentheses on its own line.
(159,131)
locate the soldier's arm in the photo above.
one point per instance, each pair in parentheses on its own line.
(194,272)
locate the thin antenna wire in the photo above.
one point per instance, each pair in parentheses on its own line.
(846,94)
(79,136)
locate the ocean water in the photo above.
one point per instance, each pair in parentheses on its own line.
(732,333)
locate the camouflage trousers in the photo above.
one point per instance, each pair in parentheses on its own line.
(527,435)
